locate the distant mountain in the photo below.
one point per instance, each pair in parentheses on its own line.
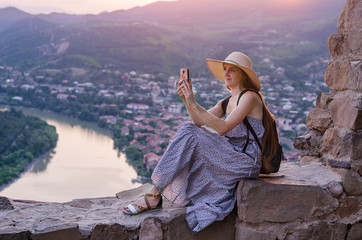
(163,36)
(11,15)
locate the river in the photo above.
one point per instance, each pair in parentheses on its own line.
(82,165)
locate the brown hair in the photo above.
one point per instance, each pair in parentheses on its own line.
(270,137)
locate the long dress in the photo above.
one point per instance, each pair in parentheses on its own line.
(200,170)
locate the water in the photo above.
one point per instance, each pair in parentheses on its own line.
(82,165)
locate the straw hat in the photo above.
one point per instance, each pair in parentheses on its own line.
(237,59)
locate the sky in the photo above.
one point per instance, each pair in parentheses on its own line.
(73,6)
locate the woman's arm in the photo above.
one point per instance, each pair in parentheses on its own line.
(248,102)
(216,110)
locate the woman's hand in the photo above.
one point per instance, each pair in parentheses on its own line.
(179,90)
(186,93)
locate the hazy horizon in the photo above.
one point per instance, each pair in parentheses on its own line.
(74,7)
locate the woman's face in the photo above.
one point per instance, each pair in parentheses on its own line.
(232,76)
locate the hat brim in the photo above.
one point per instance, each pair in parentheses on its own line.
(217,69)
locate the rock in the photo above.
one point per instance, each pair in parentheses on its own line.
(356,232)
(343,143)
(345,115)
(5,204)
(178,229)
(151,229)
(323,99)
(319,119)
(357,167)
(309,143)
(349,207)
(355,76)
(331,142)
(316,231)
(335,45)
(340,164)
(282,201)
(109,232)
(335,188)
(11,234)
(60,232)
(244,232)
(352,182)
(337,75)
(349,25)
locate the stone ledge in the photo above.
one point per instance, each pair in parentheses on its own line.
(300,195)
(299,201)
(101,218)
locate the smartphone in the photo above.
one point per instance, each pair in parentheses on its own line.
(184,74)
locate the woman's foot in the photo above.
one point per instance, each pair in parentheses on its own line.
(147,202)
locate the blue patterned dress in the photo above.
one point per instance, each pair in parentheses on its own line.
(200,170)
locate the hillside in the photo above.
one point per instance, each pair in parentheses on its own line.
(22,139)
(162,36)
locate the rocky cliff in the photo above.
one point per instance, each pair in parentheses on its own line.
(317,198)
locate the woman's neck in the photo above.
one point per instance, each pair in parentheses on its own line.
(236,91)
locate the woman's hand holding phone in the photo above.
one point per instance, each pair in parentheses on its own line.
(184,89)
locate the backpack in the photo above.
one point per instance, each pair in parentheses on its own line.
(279,154)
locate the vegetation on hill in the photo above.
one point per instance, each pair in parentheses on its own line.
(22,139)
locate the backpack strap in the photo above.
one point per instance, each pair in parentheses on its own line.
(224,104)
(250,128)
(247,124)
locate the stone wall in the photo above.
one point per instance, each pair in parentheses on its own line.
(335,125)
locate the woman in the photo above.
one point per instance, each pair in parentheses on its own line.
(200,168)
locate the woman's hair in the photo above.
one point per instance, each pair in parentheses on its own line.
(270,138)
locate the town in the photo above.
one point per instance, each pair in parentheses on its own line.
(144,111)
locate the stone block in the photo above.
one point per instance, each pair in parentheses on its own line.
(345,115)
(245,232)
(309,143)
(357,167)
(323,99)
(356,232)
(337,75)
(350,17)
(349,207)
(355,81)
(331,142)
(354,43)
(282,201)
(109,232)
(317,231)
(177,229)
(60,232)
(319,119)
(340,164)
(5,204)
(335,45)
(352,182)
(151,229)
(335,188)
(349,24)
(11,234)
(342,144)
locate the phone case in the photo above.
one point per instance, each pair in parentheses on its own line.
(184,73)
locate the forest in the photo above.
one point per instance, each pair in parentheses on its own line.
(22,139)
